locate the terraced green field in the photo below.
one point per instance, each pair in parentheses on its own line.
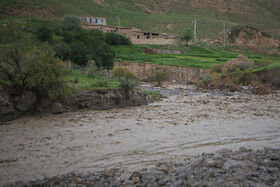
(191,56)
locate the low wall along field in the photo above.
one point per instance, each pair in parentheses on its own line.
(179,74)
(158,41)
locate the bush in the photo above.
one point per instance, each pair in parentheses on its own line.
(216,68)
(130,76)
(116,39)
(91,68)
(187,36)
(127,85)
(261,63)
(159,76)
(222,79)
(37,71)
(153,96)
(240,62)
(121,72)
(44,33)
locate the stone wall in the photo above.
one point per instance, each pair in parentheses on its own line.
(179,74)
(158,41)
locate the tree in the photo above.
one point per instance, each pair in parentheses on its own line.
(36,70)
(70,23)
(62,51)
(116,39)
(44,33)
(187,36)
(79,53)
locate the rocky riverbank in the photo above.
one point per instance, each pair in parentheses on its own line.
(14,105)
(244,167)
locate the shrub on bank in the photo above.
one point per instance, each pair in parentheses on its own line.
(121,72)
(159,76)
(241,62)
(233,75)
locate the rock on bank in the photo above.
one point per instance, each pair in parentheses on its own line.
(13,106)
(244,167)
(108,99)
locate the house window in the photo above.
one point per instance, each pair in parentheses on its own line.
(96,20)
(90,20)
(102,21)
(138,36)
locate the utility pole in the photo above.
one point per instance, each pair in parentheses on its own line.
(119,23)
(194,21)
(224,33)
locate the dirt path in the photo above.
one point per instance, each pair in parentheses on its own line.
(134,138)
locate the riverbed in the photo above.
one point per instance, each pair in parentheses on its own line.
(138,137)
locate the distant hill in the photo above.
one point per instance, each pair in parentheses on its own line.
(168,16)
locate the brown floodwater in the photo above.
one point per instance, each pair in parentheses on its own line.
(139,137)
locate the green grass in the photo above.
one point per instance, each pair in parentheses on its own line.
(153,95)
(80,80)
(272,66)
(192,56)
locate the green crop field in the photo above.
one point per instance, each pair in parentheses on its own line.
(191,56)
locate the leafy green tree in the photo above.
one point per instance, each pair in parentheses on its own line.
(79,53)
(103,55)
(187,36)
(116,39)
(36,70)
(44,33)
(62,51)
(70,23)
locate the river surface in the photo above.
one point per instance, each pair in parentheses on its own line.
(139,137)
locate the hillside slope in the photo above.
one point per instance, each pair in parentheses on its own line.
(263,15)
(168,16)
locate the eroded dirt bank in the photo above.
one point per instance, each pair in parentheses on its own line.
(134,138)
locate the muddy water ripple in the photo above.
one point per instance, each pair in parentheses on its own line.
(135,138)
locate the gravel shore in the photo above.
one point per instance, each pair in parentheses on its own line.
(244,167)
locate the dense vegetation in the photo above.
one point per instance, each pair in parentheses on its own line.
(34,54)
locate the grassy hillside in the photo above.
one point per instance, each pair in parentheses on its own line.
(169,16)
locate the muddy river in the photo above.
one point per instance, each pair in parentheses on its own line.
(139,137)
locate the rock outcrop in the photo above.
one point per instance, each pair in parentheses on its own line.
(107,99)
(13,105)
